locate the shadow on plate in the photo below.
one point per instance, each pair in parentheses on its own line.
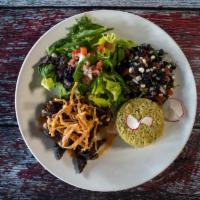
(119,143)
(36,123)
(36,78)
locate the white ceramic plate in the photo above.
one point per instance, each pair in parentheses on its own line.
(121,167)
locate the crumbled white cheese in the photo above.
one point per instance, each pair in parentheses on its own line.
(81,57)
(157,78)
(87,71)
(169,66)
(162,90)
(151,52)
(153,57)
(142,85)
(90,75)
(131,70)
(141,69)
(135,81)
(138,78)
(144,61)
(54,55)
(136,57)
(151,89)
(166,58)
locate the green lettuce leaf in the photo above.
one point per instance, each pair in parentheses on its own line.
(56,45)
(46,70)
(100,101)
(106,90)
(78,74)
(47,83)
(126,43)
(59,90)
(114,88)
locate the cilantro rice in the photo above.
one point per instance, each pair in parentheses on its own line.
(140,108)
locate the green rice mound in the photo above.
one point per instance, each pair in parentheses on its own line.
(140,108)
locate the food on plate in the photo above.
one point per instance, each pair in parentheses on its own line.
(74,125)
(88,55)
(149,117)
(147,73)
(173,110)
(133,123)
(90,74)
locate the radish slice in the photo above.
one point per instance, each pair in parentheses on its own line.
(132,122)
(146,120)
(173,110)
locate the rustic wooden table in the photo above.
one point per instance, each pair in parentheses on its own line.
(22,22)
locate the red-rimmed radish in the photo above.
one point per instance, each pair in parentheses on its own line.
(146,120)
(132,122)
(173,110)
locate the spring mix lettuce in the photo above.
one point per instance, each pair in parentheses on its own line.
(91,52)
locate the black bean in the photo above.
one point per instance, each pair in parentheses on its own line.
(160,52)
(67,84)
(155,78)
(149,47)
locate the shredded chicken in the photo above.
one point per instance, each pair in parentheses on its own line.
(76,122)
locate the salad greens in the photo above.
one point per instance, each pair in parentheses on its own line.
(83,33)
(50,81)
(46,70)
(78,71)
(92,54)
(106,90)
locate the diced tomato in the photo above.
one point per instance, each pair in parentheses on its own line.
(83,51)
(108,46)
(127,52)
(125,71)
(166,78)
(170,92)
(75,53)
(159,99)
(167,72)
(99,65)
(100,48)
(92,53)
(98,68)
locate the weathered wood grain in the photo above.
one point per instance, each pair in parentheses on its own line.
(105,3)
(22,177)
(20,28)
